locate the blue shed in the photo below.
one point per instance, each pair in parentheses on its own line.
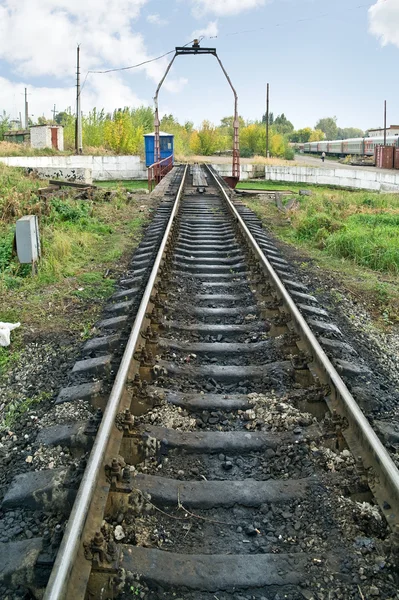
(166,142)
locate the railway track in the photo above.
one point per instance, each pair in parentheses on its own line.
(231,460)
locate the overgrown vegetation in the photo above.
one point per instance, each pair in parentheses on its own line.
(354,233)
(80,239)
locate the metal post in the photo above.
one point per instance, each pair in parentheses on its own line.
(267,122)
(78,128)
(385,123)
(54,112)
(26,110)
(20,121)
(157,146)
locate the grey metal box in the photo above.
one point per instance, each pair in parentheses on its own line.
(28,240)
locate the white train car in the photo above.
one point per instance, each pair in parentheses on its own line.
(356,146)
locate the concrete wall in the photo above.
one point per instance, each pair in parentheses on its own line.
(102,167)
(76,175)
(40,137)
(350,178)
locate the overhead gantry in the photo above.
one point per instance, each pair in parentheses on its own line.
(196,49)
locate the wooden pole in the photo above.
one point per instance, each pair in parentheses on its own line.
(267,122)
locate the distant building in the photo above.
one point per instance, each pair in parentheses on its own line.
(47,136)
(17,136)
(392,130)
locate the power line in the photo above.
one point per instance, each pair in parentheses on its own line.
(291,21)
(146,62)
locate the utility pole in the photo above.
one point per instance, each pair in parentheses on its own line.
(267,122)
(26,109)
(385,123)
(54,112)
(78,128)
(20,121)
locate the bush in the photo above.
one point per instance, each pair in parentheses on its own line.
(289,153)
(6,243)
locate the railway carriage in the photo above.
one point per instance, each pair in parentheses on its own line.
(334,147)
(356,146)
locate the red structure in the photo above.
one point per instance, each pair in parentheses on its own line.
(158,171)
(196,49)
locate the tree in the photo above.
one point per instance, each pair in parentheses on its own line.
(301,136)
(317,135)
(4,124)
(271,118)
(62,118)
(328,126)
(282,125)
(349,132)
(207,140)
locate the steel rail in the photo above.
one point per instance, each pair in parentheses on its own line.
(59,578)
(382,460)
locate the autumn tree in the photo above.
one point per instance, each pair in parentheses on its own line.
(317,135)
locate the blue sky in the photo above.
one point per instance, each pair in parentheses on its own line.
(321,57)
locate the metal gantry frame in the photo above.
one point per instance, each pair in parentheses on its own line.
(196,49)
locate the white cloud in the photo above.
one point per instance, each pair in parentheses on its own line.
(38,38)
(224,7)
(157,20)
(211,30)
(384,21)
(107,92)
(175,85)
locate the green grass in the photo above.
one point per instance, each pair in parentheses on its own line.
(361,226)
(85,244)
(262,184)
(126,184)
(355,235)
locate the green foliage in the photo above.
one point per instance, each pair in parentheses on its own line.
(329,127)
(70,210)
(282,125)
(6,241)
(349,132)
(206,141)
(4,124)
(360,226)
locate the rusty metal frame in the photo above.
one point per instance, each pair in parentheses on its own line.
(196,49)
(159,170)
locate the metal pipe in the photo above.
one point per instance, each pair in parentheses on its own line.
(236,125)
(357,418)
(58,582)
(157,145)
